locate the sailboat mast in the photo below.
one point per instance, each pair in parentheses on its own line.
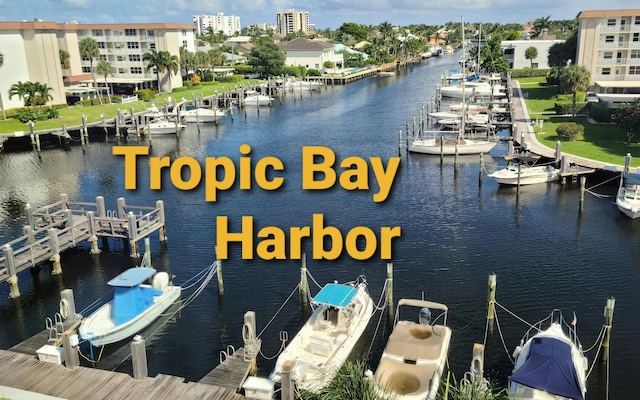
(464,78)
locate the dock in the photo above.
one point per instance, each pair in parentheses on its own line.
(234,368)
(24,372)
(51,229)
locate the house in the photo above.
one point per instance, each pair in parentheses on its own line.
(514,52)
(609,48)
(311,54)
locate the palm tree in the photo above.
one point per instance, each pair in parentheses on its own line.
(162,61)
(4,116)
(25,91)
(65,59)
(41,94)
(89,48)
(540,25)
(104,69)
(574,79)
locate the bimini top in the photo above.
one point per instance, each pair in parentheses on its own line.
(335,295)
(549,367)
(132,277)
(631,179)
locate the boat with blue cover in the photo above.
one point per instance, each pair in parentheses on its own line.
(134,306)
(341,314)
(549,362)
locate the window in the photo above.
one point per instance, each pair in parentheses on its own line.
(634,54)
(129,32)
(97,32)
(102,57)
(608,39)
(606,71)
(607,55)
(120,58)
(634,70)
(134,57)
(86,69)
(151,33)
(136,70)
(184,44)
(637,20)
(611,22)
(636,37)
(184,32)
(508,52)
(86,59)
(152,46)
(101,45)
(132,45)
(122,71)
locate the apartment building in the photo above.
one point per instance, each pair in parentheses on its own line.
(227,24)
(514,52)
(32,53)
(292,21)
(609,47)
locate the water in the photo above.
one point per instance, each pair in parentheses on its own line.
(455,232)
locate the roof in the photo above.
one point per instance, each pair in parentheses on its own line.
(335,295)
(549,367)
(304,44)
(74,26)
(132,277)
(608,13)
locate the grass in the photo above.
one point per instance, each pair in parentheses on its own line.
(602,142)
(72,116)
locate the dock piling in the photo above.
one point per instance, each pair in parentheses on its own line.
(14,291)
(219,274)
(55,250)
(69,343)
(139,357)
(481,169)
(68,305)
(133,234)
(303,280)
(491,299)
(162,231)
(608,321)
(583,184)
(287,383)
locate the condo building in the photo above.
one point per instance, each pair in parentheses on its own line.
(292,21)
(32,53)
(229,25)
(609,47)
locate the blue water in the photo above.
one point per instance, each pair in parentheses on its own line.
(455,232)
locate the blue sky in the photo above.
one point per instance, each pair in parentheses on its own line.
(322,13)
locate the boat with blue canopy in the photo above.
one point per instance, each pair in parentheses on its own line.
(340,316)
(133,307)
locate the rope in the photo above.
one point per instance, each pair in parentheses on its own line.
(382,302)
(313,279)
(375,333)
(504,345)
(276,314)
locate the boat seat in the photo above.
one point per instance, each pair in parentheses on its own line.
(319,346)
(415,342)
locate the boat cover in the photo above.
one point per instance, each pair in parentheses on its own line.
(631,178)
(130,299)
(132,277)
(549,367)
(336,295)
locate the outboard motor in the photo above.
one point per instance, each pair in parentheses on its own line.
(425,316)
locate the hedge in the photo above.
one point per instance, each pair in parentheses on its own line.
(145,94)
(600,112)
(230,78)
(527,72)
(566,108)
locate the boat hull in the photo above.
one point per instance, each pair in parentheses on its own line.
(203,116)
(451,146)
(528,175)
(99,328)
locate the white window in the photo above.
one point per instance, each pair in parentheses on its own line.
(101,45)
(637,20)
(608,39)
(86,69)
(611,22)
(102,57)
(133,45)
(634,70)
(636,37)
(606,71)
(136,70)
(129,32)
(607,55)
(134,57)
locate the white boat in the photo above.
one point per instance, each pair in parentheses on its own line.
(524,174)
(302,85)
(450,146)
(162,126)
(134,306)
(549,362)
(628,198)
(340,316)
(199,115)
(253,98)
(414,358)
(467,90)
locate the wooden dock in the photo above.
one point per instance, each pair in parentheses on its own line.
(234,368)
(27,373)
(53,228)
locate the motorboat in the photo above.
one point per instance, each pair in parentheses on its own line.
(447,145)
(341,314)
(415,355)
(467,90)
(254,98)
(199,115)
(549,362)
(628,198)
(303,85)
(134,306)
(162,126)
(524,174)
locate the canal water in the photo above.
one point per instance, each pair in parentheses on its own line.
(455,232)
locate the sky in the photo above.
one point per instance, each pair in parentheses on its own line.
(323,13)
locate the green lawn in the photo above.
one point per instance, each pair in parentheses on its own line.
(602,142)
(72,116)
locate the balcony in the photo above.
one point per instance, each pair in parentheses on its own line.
(618,77)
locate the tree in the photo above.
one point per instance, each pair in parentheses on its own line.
(89,48)
(4,116)
(41,94)
(561,53)
(162,61)
(574,79)
(26,91)
(65,59)
(541,25)
(627,116)
(103,69)
(267,57)
(530,54)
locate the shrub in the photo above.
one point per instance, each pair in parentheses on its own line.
(569,131)
(207,76)
(527,72)
(25,115)
(145,94)
(116,99)
(244,69)
(195,80)
(52,113)
(230,78)
(188,84)
(180,89)
(566,108)
(314,72)
(600,112)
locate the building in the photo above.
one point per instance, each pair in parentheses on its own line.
(311,54)
(32,53)
(609,47)
(229,25)
(292,21)
(514,52)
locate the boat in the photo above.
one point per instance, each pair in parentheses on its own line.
(297,84)
(524,174)
(200,114)
(468,90)
(341,314)
(628,197)
(163,126)
(253,98)
(415,355)
(134,306)
(549,362)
